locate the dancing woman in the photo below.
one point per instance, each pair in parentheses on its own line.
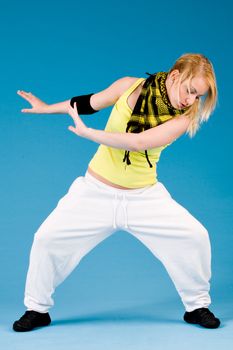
(120,189)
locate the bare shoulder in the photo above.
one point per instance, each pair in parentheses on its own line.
(183,120)
(112,93)
(123,84)
(179,123)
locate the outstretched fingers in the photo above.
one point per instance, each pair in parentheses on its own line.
(74,113)
(28,97)
(80,127)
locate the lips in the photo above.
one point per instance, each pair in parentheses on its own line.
(182,105)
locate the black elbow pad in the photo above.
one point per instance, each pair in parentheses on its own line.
(83,104)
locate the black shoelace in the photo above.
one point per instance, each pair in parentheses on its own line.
(28,316)
(206,314)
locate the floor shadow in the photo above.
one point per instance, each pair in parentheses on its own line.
(148,315)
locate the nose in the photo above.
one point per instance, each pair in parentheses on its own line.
(190,100)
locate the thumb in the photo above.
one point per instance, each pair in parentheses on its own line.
(71,128)
(26,110)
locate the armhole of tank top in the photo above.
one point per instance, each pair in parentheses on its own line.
(125,95)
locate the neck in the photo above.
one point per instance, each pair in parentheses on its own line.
(168,85)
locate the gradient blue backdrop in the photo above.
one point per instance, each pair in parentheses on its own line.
(119,297)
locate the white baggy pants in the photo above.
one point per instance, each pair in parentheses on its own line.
(91,211)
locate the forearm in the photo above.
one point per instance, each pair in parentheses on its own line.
(126,141)
(57,108)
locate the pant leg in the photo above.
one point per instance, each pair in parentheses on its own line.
(81,220)
(177,239)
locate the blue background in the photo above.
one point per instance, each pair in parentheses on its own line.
(119,297)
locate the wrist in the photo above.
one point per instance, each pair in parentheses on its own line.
(57,108)
(87,132)
(45,109)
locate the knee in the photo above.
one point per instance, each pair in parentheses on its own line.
(43,240)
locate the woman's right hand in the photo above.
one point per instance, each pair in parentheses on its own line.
(38,106)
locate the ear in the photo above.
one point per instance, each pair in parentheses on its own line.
(174,74)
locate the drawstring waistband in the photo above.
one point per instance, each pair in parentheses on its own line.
(124,205)
(114,210)
(117,194)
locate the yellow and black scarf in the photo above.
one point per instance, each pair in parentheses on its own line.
(152,108)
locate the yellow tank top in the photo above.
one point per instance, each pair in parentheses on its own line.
(108,161)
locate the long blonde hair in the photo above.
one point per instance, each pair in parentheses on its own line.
(189,66)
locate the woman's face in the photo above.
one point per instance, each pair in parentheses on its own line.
(184,96)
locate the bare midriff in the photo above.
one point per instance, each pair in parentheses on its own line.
(102,179)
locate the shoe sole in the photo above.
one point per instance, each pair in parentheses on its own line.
(202,325)
(18,328)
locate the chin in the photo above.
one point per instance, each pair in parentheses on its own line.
(175,105)
(178,106)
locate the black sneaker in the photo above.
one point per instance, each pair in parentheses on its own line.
(30,320)
(203,317)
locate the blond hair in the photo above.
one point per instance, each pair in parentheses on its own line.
(189,66)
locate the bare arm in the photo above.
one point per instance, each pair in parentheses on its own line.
(164,133)
(109,96)
(100,100)
(152,138)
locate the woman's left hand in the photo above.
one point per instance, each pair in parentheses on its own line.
(80,127)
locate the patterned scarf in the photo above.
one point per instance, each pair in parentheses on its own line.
(152,108)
